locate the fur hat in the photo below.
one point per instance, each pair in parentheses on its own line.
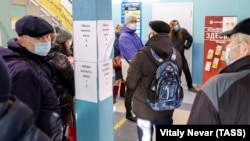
(33,26)
(159,26)
(62,35)
(129,18)
(5,82)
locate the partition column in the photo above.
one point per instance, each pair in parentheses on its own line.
(93,33)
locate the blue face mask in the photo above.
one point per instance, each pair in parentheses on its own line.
(42,48)
(176,27)
(227,53)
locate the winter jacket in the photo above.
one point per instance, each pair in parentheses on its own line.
(224,99)
(129,43)
(34,88)
(184,43)
(64,79)
(20,128)
(142,71)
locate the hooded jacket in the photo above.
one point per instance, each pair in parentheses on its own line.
(142,71)
(224,98)
(33,88)
(129,43)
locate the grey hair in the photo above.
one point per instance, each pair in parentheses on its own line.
(242,37)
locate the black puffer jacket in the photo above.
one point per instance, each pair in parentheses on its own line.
(141,72)
(64,77)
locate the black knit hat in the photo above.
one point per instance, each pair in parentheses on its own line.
(242,27)
(159,26)
(62,35)
(5,82)
(33,26)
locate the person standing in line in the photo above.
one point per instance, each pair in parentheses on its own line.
(130,43)
(182,41)
(119,84)
(64,79)
(224,98)
(64,39)
(31,74)
(14,126)
(140,75)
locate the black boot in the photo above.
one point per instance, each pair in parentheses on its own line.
(130,117)
(128,104)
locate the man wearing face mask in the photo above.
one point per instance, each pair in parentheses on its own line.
(224,98)
(16,127)
(130,43)
(31,74)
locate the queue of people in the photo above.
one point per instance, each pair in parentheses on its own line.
(37,70)
(224,94)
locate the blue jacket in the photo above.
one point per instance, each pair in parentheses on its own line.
(33,88)
(129,43)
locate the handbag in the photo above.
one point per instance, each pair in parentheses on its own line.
(117,63)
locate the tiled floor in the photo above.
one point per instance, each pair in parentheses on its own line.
(125,130)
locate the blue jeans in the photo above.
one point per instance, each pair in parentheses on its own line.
(145,128)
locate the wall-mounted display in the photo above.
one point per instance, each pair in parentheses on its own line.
(215,45)
(133,8)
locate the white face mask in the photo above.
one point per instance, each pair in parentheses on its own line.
(42,48)
(132,26)
(227,53)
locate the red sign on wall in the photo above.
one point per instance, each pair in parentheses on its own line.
(215,45)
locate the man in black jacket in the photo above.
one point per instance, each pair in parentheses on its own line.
(31,74)
(14,126)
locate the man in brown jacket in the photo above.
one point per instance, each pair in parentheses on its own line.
(140,74)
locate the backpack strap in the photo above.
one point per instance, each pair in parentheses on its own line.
(157,57)
(148,54)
